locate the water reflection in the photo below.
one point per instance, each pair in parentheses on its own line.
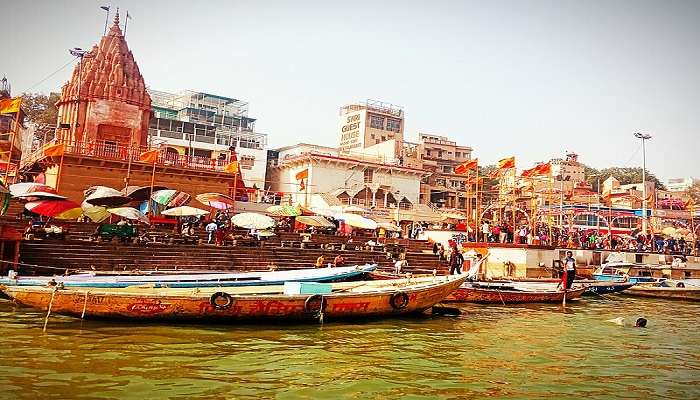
(490,351)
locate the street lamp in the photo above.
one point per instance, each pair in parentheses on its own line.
(644,138)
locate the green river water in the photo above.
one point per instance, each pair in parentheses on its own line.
(514,352)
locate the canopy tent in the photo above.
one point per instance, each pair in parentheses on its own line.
(105,196)
(184,211)
(252,221)
(129,213)
(59,209)
(315,220)
(216,200)
(356,221)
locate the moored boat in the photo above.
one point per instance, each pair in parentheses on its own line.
(230,304)
(505,293)
(605,287)
(673,290)
(189,279)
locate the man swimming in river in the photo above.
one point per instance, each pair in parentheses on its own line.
(641,322)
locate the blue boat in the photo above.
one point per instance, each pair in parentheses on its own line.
(629,272)
(606,287)
(190,280)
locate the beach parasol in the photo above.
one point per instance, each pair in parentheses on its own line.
(171,198)
(141,193)
(18,189)
(315,220)
(30,196)
(105,196)
(325,212)
(283,211)
(95,213)
(452,215)
(129,213)
(59,209)
(216,200)
(252,221)
(185,211)
(357,221)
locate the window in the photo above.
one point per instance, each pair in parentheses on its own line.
(383,138)
(247,162)
(369,174)
(458,154)
(376,122)
(393,125)
(446,169)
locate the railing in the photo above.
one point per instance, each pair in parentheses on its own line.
(112,151)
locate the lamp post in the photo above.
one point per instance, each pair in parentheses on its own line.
(644,138)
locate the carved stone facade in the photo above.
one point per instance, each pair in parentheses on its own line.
(106,98)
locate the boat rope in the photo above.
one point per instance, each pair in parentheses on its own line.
(46,320)
(19,264)
(501,296)
(82,316)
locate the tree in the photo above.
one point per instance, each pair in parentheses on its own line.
(694,193)
(628,176)
(41,109)
(593,177)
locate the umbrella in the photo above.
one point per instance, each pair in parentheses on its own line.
(216,200)
(60,209)
(95,213)
(669,231)
(171,198)
(39,195)
(452,215)
(105,196)
(325,212)
(28,187)
(315,221)
(284,211)
(141,193)
(683,231)
(357,221)
(129,213)
(252,221)
(185,211)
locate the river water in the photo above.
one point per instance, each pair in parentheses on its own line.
(512,352)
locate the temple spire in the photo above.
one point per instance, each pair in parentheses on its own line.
(116,17)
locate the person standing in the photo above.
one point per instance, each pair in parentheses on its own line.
(456,261)
(211,231)
(569,270)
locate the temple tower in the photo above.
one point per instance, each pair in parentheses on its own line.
(105,101)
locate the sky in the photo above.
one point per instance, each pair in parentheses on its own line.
(533,79)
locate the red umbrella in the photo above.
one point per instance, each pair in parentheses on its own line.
(61,209)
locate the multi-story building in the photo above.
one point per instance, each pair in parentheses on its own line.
(209,127)
(443,187)
(369,123)
(680,184)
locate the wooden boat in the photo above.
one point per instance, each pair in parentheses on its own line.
(604,287)
(673,290)
(188,280)
(230,304)
(508,293)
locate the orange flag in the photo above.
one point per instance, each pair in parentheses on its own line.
(506,163)
(302,174)
(232,167)
(150,156)
(9,106)
(54,150)
(544,169)
(466,166)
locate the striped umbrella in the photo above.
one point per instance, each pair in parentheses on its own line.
(95,213)
(105,196)
(185,211)
(215,200)
(129,213)
(171,198)
(59,209)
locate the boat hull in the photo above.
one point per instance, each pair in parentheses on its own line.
(671,293)
(470,294)
(151,305)
(606,287)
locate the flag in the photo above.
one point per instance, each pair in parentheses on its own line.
(232,167)
(302,174)
(54,150)
(128,16)
(466,166)
(538,170)
(106,8)
(150,156)
(506,163)
(11,105)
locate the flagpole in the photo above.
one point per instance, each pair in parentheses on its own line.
(469,200)
(13,135)
(150,195)
(235,188)
(477,216)
(513,209)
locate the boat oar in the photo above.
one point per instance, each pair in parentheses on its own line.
(46,320)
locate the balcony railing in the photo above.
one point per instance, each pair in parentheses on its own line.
(105,150)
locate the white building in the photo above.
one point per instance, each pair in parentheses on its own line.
(208,128)
(680,184)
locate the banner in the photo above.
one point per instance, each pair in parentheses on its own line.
(9,106)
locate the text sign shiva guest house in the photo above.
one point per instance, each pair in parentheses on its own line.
(352,131)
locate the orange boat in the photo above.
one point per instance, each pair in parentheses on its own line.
(345,300)
(504,294)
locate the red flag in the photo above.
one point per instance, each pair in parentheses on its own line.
(465,167)
(302,185)
(302,174)
(506,163)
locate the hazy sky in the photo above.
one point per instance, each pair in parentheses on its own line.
(526,78)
